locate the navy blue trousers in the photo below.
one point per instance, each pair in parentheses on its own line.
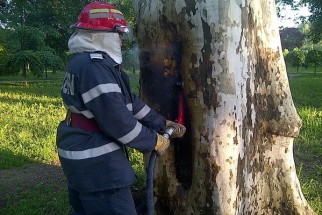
(108,202)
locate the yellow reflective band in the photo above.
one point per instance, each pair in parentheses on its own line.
(102,10)
(115,11)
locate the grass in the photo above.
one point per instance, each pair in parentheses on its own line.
(307,96)
(30,77)
(305,71)
(31,113)
(40,199)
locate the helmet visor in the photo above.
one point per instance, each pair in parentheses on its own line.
(126,32)
(121,29)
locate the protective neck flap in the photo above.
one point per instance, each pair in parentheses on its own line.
(90,41)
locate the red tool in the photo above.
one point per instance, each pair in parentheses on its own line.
(180,117)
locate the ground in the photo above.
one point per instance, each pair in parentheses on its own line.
(21,179)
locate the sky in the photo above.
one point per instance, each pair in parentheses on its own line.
(290,15)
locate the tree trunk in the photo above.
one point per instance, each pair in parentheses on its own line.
(237,154)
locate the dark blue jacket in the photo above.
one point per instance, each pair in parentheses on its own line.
(94,87)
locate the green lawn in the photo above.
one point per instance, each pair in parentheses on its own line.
(307,96)
(305,71)
(31,113)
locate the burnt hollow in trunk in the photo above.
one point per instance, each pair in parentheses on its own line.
(162,86)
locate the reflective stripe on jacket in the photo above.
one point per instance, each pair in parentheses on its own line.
(94,87)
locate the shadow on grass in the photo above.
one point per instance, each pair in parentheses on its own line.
(30,187)
(50,89)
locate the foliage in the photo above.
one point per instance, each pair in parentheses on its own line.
(33,38)
(285,52)
(282,4)
(49,17)
(296,58)
(3,60)
(314,57)
(307,56)
(36,62)
(26,40)
(50,60)
(24,59)
(43,27)
(287,2)
(131,59)
(126,7)
(315,19)
(291,38)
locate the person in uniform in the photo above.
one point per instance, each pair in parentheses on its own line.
(103,117)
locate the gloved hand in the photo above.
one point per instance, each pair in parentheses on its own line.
(162,144)
(179,129)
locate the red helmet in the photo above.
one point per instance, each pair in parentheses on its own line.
(101,16)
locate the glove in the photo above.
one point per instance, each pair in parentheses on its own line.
(162,144)
(179,129)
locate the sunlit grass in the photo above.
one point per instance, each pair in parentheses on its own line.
(307,96)
(30,115)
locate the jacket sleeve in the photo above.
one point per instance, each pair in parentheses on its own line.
(142,112)
(102,95)
(147,116)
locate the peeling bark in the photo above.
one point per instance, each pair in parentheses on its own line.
(237,157)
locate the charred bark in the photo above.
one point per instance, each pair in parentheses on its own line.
(237,155)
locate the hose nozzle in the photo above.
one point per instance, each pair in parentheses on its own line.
(168,131)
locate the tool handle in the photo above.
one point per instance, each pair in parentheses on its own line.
(150,173)
(168,131)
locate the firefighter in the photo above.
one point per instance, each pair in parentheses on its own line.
(103,117)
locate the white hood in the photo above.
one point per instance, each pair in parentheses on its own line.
(89,41)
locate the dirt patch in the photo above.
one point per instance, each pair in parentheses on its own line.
(21,179)
(15,181)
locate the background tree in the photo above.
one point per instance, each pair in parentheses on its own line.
(131,59)
(3,53)
(18,20)
(282,4)
(291,38)
(314,57)
(315,19)
(297,58)
(44,26)
(27,59)
(49,61)
(237,155)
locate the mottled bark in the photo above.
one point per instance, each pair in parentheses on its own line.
(237,157)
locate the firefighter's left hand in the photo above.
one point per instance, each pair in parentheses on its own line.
(179,129)
(162,144)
